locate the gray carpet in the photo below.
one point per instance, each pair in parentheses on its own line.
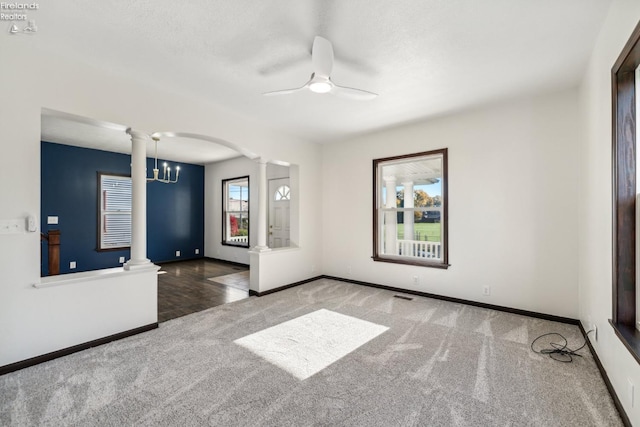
(438,364)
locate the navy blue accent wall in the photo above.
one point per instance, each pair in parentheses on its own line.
(69,190)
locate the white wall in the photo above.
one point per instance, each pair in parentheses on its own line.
(37,79)
(595,232)
(513,185)
(214,173)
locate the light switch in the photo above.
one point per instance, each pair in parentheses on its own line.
(52,220)
(32,226)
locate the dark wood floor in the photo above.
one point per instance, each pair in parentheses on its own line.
(184,288)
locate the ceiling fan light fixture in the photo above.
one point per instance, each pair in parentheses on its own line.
(320,81)
(320,87)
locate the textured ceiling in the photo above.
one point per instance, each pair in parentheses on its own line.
(423,57)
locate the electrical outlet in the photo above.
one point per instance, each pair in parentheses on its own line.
(72,265)
(416,280)
(121,260)
(197,251)
(348,270)
(595,332)
(177,253)
(486,291)
(630,391)
(12,226)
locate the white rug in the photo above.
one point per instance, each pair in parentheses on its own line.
(306,345)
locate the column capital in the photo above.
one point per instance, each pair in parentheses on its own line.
(408,184)
(136,134)
(390,178)
(261,161)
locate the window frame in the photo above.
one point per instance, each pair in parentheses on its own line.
(623,157)
(443,263)
(101,213)
(225,211)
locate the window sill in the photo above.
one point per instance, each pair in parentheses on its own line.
(119,248)
(630,337)
(246,246)
(407,261)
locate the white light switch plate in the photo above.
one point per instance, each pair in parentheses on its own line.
(52,220)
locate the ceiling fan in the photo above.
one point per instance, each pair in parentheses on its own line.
(320,81)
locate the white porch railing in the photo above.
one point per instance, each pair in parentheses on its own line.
(238,239)
(419,249)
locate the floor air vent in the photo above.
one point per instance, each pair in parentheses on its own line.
(403,297)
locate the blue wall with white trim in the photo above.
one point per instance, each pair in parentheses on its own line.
(69,190)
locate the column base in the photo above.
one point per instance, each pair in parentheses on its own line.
(133,264)
(261,249)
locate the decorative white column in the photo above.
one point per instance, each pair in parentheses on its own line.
(390,218)
(408,216)
(138,200)
(263,206)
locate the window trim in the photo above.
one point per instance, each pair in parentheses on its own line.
(623,169)
(99,247)
(225,212)
(444,264)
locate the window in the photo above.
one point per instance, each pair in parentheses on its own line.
(410,209)
(235,213)
(282,193)
(115,212)
(624,284)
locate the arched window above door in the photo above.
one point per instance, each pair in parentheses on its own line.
(282,193)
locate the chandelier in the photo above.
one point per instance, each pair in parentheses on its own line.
(166,170)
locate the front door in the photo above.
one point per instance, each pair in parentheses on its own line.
(279,201)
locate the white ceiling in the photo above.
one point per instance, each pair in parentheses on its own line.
(72,130)
(423,57)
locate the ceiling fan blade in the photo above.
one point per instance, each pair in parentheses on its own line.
(352,93)
(322,57)
(284,91)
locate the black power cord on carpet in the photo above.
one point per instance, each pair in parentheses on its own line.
(559,351)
